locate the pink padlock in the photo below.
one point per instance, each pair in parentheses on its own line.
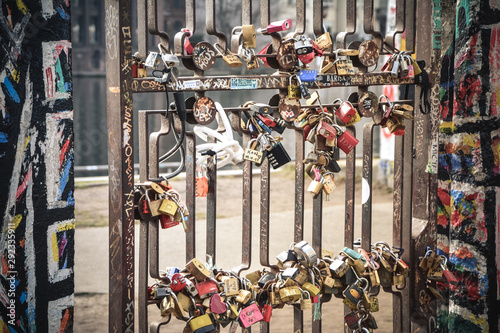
(345,112)
(207,288)
(250,315)
(347,142)
(326,130)
(217,305)
(277,26)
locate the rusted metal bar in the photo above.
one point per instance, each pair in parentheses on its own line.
(300,17)
(397,224)
(246,259)
(191,195)
(265,19)
(340,40)
(299,186)
(142,40)
(211,206)
(318,27)
(265,179)
(368,23)
(390,37)
(317,232)
(256,82)
(298,319)
(121,165)
(153,25)
(350,185)
(246,12)
(366,212)
(210,18)
(410,26)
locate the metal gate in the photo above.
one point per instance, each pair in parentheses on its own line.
(412,196)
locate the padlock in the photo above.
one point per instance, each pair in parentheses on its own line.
(274,298)
(404,66)
(354,119)
(261,108)
(346,141)
(448,275)
(304,92)
(338,268)
(243,296)
(305,301)
(201,182)
(387,64)
(266,278)
(253,277)
(250,315)
(315,188)
(253,63)
(167,306)
(293,89)
(303,46)
(290,273)
(217,304)
(328,281)
(190,288)
(398,279)
(324,41)
(178,282)
(287,56)
(370,322)
(308,75)
(207,288)
(202,323)
(231,286)
(229,58)
(168,207)
(306,254)
(167,221)
(152,205)
(374,303)
(276,26)
(197,269)
(352,320)
(328,66)
(267,311)
(278,156)
(345,111)
(311,288)
(435,292)
(329,185)
(374,277)
(302,277)
(153,60)
(252,154)
(326,130)
(344,66)
(249,36)
(395,67)
(416,68)
(290,294)
(354,293)
(159,292)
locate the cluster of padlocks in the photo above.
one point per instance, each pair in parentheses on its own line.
(208,298)
(436,271)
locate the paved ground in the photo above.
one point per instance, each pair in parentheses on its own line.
(91,262)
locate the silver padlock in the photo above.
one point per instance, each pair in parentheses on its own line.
(306,254)
(170,60)
(290,273)
(339,267)
(190,288)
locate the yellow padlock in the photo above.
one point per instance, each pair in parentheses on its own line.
(311,288)
(249,36)
(168,207)
(290,294)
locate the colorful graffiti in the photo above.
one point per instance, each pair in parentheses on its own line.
(469,164)
(36,159)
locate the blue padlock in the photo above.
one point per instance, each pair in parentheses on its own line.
(308,75)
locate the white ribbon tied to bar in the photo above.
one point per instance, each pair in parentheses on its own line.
(226,148)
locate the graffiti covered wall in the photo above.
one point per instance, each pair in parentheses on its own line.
(36,163)
(469,167)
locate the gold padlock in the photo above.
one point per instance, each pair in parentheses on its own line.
(329,186)
(374,278)
(290,294)
(302,277)
(249,36)
(305,303)
(315,187)
(312,289)
(324,41)
(184,301)
(231,287)
(293,89)
(243,296)
(328,281)
(374,304)
(229,58)
(253,63)
(167,306)
(328,66)
(354,119)
(398,280)
(168,207)
(254,277)
(197,269)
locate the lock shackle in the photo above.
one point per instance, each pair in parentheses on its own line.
(304,292)
(363,280)
(193,308)
(428,253)
(443,264)
(391,105)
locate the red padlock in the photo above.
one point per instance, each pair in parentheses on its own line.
(307,58)
(264,52)
(326,130)
(267,311)
(206,288)
(167,221)
(178,282)
(315,299)
(307,129)
(345,112)
(347,142)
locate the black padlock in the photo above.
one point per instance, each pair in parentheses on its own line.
(303,89)
(333,166)
(265,278)
(278,156)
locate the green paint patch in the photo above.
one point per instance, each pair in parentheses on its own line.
(459,324)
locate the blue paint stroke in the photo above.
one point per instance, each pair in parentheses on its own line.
(483,286)
(2,154)
(456,162)
(11,91)
(442,161)
(3,137)
(466,207)
(470,264)
(12,330)
(23,296)
(71,199)
(447,85)
(65,176)
(63,14)
(68,86)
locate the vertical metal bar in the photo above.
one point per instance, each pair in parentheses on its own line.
(211,206)
(318,27)
(299,185)
(246,12)
(190,25)
(144,227)
(265,19)
(298,322)
(121,165)
(390,37)
(265,179)
(410,25)
(246,258)
(366,212)
(300,17)
(190,195)
(350,182)
(368,23)
(153,25)
(210,18)
(397,223)
(350,29)
(316,240)
(142,40)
